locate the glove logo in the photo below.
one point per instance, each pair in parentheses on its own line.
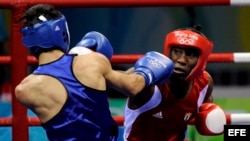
(155,62)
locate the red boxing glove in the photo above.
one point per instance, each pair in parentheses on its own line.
(210,119)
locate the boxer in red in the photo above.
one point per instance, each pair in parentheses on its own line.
(163,112)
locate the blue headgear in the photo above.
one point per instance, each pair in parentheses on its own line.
(47,34)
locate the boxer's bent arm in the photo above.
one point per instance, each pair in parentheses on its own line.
(128,84)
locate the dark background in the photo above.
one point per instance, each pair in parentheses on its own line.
(138,30)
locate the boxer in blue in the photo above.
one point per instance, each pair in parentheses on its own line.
(67,92)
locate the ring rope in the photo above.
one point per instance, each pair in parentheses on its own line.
(34,121)
(127,3)
(237,118)
(238,57)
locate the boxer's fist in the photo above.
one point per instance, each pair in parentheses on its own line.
(155,67)
(94,41)
(210,119)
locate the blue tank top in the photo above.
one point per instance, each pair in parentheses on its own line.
(85,116)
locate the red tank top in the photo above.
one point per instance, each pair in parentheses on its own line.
(163,117)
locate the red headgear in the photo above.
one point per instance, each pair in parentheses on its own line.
(189,38)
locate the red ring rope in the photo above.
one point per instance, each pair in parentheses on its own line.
(131,58)
(34,121)
(126,3)
(231,119)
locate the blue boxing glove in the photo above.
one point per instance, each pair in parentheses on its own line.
(155,67)
(96,42)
